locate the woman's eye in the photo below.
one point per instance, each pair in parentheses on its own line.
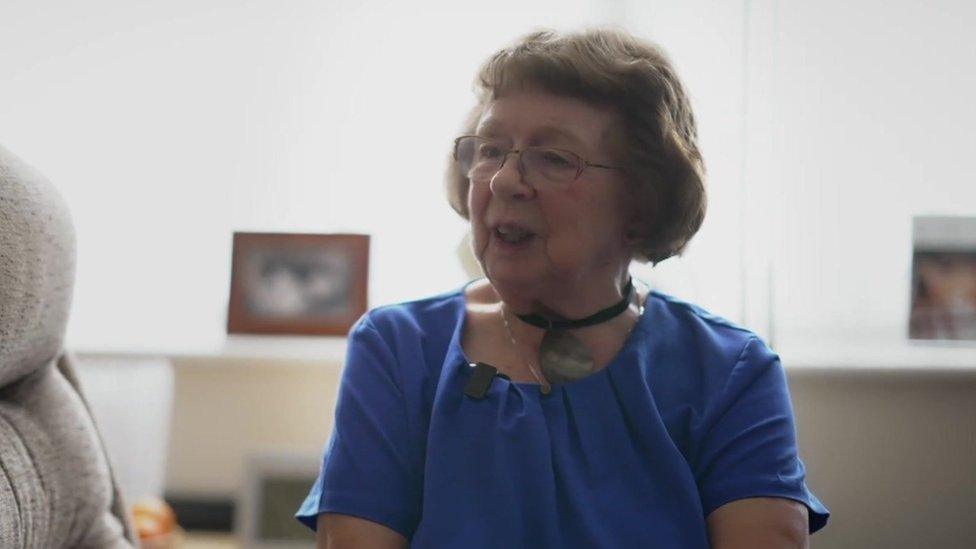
(556,159)
(489,151)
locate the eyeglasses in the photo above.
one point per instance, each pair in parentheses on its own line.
(480,158)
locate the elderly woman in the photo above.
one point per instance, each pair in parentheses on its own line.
(556,403)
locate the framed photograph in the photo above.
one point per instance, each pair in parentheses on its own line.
(275,485)
(943,305)
(304,284)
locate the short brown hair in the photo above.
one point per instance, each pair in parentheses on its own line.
(609,67)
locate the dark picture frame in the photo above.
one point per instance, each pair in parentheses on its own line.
(297,283)
(274,486)
(943,300)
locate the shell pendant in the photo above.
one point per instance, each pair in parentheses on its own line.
(563,357)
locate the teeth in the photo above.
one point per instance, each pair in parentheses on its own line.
(512,234)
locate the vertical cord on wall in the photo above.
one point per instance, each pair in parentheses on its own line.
(743,272)
(775,205)
(770,309)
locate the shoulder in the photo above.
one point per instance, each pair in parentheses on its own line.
(412,328)
(419,314)
(405,342)
(702,359)
(685,326)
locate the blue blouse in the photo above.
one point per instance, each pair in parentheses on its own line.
(691,414)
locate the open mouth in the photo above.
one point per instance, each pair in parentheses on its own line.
(513,234)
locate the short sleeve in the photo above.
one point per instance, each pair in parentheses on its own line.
(749,448)
(370,467)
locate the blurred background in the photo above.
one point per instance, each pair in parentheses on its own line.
(826,128)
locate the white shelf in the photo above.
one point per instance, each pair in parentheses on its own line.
(332,349)
(879,354)
(276,348)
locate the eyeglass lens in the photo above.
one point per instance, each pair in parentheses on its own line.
(481,159)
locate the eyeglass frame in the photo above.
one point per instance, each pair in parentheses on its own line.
(521,167)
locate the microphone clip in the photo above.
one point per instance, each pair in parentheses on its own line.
(481,376)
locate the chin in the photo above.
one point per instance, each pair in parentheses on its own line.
(512,280)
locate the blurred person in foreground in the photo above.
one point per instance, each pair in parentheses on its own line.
(557,402)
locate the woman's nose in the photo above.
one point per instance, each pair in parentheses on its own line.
(509,181)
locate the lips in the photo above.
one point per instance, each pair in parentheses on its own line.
(513,233)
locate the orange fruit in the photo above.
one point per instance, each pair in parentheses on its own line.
(153,517)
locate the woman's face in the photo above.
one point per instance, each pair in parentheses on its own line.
(528,232)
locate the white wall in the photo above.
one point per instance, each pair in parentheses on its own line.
(845,119)
(705,42)
(862,117)
(170,125)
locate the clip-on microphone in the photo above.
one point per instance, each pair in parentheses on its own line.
(480,381)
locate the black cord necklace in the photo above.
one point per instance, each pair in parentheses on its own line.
(562,356)
(602,315)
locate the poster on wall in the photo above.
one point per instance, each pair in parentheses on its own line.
(943,304)
(304,284)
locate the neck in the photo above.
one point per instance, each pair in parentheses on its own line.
(603,340)
(567,298)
